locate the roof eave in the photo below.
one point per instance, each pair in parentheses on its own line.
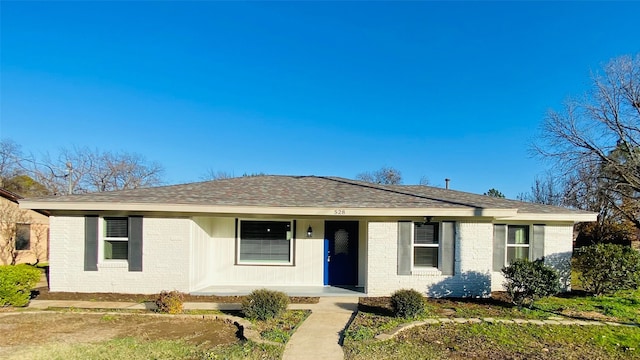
(568,217)
(498,214)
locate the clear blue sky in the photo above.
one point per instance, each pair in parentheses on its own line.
(433,89)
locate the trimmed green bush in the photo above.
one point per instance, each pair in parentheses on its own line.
(407,303)
(170,302)
(530,280)
(264,304)
(16,283)
(606,268)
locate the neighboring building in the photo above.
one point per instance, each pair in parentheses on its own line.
(303,231)
(24,234)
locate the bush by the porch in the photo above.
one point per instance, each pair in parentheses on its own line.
(264,304)
(407,303)
(170,302)
(16,282)
(527,281)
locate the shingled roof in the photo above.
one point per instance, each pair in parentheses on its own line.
(271,191)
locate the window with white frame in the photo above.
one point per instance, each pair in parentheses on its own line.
(23,237)
(265,242)
(517,242)
(426,245)
(116,238)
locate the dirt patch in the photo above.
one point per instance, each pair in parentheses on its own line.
(28,329)
(448,307)
(43,293)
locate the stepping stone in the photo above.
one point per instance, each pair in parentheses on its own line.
(445,320)
(567,322)
(489,320)
(460,320)
(475,321)
(536,322)
(520,321)
(551,322)
(431,321)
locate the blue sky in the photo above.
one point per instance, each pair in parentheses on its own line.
(433,89)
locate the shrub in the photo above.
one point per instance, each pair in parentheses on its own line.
(170,302)
(605,268)
(407,303)
(264,304)
(530,280)
(16,282)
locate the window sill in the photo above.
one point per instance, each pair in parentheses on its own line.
(263,264)
(426,272)
(114,264)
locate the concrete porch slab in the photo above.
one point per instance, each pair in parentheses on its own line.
(310,291)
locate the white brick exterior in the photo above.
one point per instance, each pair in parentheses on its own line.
(188,254)
(473,261)
(166,257)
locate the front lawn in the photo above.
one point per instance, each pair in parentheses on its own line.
(493,341)
(89,335)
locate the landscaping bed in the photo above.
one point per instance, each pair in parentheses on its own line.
(493,340)
(43,293)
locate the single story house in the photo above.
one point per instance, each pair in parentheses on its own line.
(302,231)
(24,234)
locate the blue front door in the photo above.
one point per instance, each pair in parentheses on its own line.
(341,253)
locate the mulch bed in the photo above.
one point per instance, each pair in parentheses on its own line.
(43,293)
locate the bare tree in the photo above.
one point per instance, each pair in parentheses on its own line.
(602,131)
(424,181)
(10,155)
(385,176)
(10,218)
(546,190)
(212,174)
(82,170)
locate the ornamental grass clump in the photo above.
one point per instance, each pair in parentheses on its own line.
(407,303)
(264,304)
(527,281)
(170,302)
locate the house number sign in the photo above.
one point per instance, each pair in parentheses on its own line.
(339,212)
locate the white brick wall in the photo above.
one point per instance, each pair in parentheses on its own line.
(472,263)
(166,249)
(185,254)
(558,248)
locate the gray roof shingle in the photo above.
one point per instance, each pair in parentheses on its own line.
(307,191)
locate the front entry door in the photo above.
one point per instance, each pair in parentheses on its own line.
(341,253)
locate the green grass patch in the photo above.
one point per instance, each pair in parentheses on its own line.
(623,306)
(499,341)
(248,350)
(122,348)
(281,328)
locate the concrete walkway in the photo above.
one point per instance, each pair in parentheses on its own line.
(319,336)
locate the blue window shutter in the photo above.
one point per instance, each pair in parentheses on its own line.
(404,247)
(499,244)
(448,248)
(135,243)
(91,243)
(537,246)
